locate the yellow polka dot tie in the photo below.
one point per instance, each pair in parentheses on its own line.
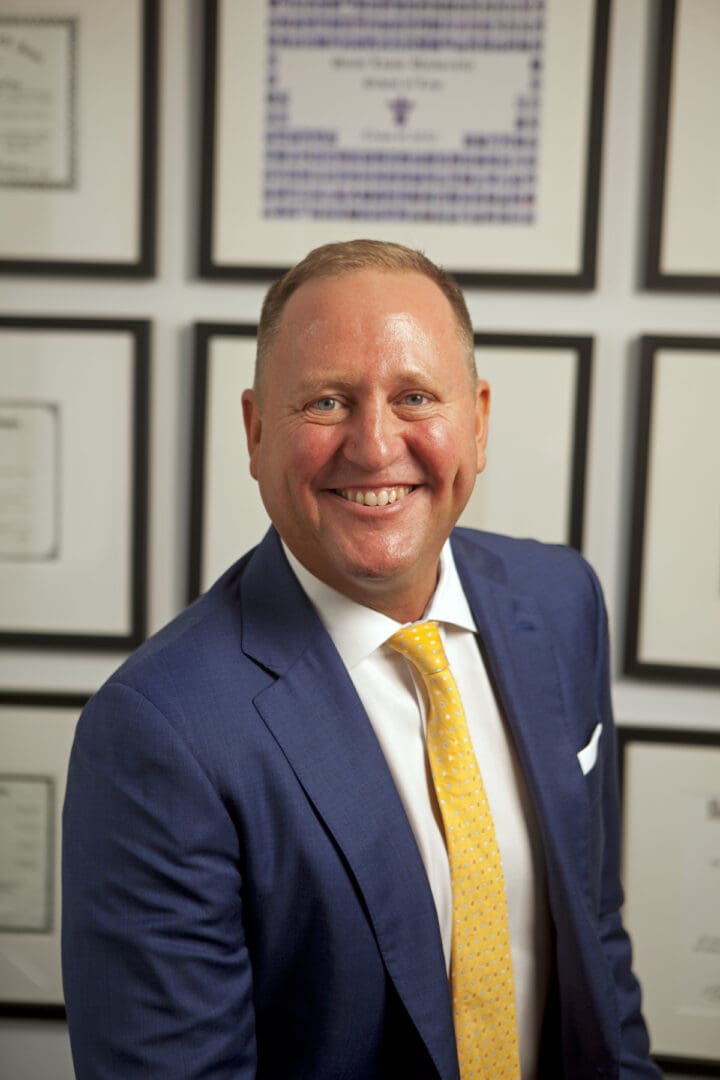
(483,990)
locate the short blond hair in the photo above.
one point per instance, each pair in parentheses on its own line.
(348,257)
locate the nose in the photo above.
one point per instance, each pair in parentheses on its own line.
(373,438)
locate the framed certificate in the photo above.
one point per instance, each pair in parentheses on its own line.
(471,131)
(227,515)
(671,872)
(540,386)
(70,201)
(73,481)
(535,485)
(36,733)
(684,219)
(674,600)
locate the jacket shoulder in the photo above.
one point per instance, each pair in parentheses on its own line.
(526,564)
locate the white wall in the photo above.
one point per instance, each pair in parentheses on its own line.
(615,314)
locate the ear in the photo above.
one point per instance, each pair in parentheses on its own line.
(253,428)
(482,418)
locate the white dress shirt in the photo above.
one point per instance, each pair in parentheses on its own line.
(393,696)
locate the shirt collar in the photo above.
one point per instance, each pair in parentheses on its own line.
(357,631)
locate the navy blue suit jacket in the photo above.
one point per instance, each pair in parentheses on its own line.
(243,895)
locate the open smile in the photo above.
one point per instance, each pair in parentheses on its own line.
(383,496)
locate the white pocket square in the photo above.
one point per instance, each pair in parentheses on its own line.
(588,755)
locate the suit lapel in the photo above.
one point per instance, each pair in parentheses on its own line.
(316,717)
(523,667)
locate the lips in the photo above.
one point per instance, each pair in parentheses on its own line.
(383,496)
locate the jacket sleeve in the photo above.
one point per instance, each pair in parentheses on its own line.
(155,964)
(635,1062)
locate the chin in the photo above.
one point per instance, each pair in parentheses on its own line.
(368,572)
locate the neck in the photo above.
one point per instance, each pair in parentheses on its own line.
(403,602)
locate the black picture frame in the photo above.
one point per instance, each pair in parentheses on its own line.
(91,217)
(534,269)
(651,927)
(664,507)
(58,713)
(201,555)
(226,520)
(85,370)
(692,276)
(573,421)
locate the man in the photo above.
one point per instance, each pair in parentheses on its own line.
(261,879)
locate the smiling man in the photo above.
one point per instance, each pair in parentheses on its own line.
(354,813)
(366,431)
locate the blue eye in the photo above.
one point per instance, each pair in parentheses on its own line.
(325,404)
(414,399)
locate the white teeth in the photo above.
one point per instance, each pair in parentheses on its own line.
(375,498)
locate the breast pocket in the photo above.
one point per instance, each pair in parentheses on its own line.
(590,760)
(587,757)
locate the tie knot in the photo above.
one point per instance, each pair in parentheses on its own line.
(420,644)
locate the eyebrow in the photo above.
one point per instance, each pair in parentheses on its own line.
(311,383)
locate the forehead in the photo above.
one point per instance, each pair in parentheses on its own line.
(366,305)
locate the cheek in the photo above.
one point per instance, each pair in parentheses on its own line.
(308,451)
(446,449)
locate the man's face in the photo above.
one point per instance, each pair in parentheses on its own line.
(369,435)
